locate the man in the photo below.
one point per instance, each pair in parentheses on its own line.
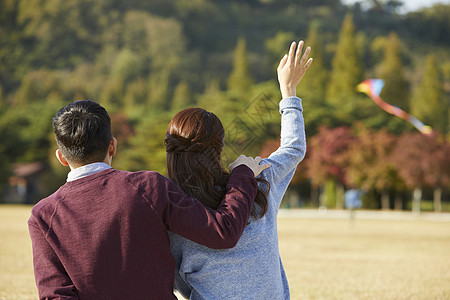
(103,234)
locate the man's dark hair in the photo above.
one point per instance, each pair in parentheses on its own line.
(83,132)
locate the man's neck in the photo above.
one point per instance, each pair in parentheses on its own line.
(87,170)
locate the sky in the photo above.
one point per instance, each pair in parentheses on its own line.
(410,5)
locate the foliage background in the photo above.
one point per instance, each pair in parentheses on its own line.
(145,60)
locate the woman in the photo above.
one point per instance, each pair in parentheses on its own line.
(194,142)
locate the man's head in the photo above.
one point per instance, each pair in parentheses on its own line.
(83,134)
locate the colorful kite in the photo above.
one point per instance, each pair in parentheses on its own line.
(373,87)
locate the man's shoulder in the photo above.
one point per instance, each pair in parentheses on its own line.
(46,206)
(146,182)
(140,175)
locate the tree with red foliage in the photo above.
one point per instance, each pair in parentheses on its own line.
(437,170)
(369,163)
(423,161)
(328,160)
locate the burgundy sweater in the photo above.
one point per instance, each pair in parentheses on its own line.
(104,236)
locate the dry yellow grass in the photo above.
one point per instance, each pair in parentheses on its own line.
(16,268)
(328,259)
(324,259)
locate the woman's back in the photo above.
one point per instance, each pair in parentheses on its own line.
(250,270)
(253,268)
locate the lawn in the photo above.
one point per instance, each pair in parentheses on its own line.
(323,258)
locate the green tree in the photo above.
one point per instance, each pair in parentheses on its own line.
(112,94)
(145,149)
(61,33)
(2,100)
(347,69)
(213,99)
(158,90)
(313,83)
(429,103)
(135,96)
(127,66)
(158,41)
(240,79)
(392,71)
(182,96)
(43,85)
(277,45)
(312,89)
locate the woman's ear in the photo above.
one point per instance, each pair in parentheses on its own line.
(61,158)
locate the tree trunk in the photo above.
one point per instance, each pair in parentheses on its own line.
(417,197)
(385,199)
(340,195)
(398,203)
(322,196)
(437,195)
(315,195)
(293,199)
(330,193)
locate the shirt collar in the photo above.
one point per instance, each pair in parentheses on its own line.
(87,170)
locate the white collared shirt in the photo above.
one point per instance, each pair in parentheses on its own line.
(87,170)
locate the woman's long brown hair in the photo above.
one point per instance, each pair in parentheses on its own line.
(194,143)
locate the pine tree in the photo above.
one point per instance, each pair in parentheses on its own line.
(429,103)
(182,97)
(347,65)
(240,79)
(312,86)
(158,90)
(135,95)
(2,100)
(391,70)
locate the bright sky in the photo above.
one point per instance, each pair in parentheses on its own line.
(410,5)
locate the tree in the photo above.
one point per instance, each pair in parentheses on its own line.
(437,168)
(2,100)
(36,86)
(127,66)
(277,45)
(328,160)
(429,103)
(135,96)
(182,97)
(112,94)
(313,83)
(422,161)
(145,149)
(347,69)
(369,164)
(391,70)
(158,90)
(159,42)
(240,79)
(61,33)
(312,89)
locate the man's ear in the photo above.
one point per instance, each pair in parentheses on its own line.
(112,147)
(61,158)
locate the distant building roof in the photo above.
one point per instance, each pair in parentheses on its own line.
(27,169)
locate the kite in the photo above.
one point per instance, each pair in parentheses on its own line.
(373,87)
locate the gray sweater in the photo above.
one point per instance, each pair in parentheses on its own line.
(253,268)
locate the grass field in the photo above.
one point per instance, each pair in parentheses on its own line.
(323,258)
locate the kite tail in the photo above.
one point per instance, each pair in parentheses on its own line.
(373,87)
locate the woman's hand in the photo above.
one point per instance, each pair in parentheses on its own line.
(252,163)
(292,68)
